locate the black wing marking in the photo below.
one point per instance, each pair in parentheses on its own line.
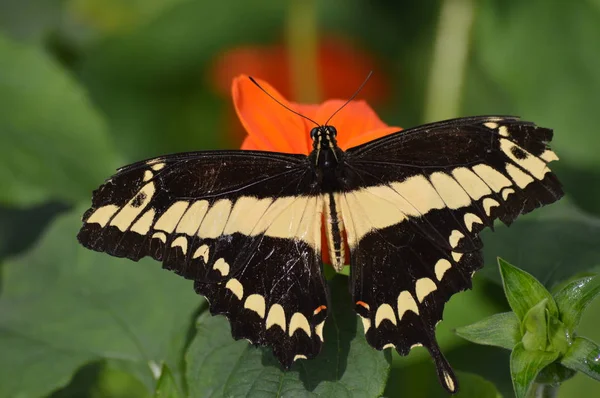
(413,208)
(245,226)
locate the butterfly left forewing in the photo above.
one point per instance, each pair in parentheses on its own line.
(413,207)
(245,226)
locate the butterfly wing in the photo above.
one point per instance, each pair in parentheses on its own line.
(413,208)
(244,225)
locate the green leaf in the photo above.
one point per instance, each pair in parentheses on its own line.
(553,244)
(518,51)
(534,325)
(218,366)
(574,298)
(472,385)
(583,356)
(500,330)
(525,366)
(53,144)
(63,306)
(523,291)
(166,387)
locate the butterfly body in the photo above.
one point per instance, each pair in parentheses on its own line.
(246,226)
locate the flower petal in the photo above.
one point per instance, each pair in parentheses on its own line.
(356,123)
(270,125)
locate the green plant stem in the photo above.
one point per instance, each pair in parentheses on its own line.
(302,37)
(449,60)
(539,390)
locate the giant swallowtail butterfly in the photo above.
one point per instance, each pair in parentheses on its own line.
(245,226)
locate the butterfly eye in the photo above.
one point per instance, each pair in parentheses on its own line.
(313,133)
(333,131)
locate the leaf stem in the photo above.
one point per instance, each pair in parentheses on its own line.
(542,390)
(302,37)
(451,49)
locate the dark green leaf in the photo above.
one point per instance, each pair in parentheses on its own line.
(547,74)
(472,385)
(525,366)
(218,366)
(500,330)
(574,298)
(63,306)
(583,356)
(53,144)
(534,325)
(166,387)
(523,291)
(553,244)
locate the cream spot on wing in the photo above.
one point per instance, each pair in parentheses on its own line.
(223,267)
(129,212)
(506,192)
(276,316)
(418,196)
(456,256)
(548,156)
(143,224)
(455,236)
(441,267)
(190,221)
(182,242)
(471,183)
(488,203)
(245,215)
(520,178)
(424,287)
(451,192)
(406,302)
(416,345)
(148,175)
(491,125)
(157,166)
(319,330)
(503,130)
(215,220)
(470,219)
(170,218)
(534,165)
(493,178)
(389,345)
(235,287)
(256,303)
(366,323)
(203,252)
(161,236)
(449,382)
(102,215)
(298,221)
(299,356)
(299,321)
(385,311)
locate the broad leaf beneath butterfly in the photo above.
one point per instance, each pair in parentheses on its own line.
(246,226)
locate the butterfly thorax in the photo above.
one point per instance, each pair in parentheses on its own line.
(326,157)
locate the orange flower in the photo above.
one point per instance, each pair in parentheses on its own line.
(339,63)
(271,127)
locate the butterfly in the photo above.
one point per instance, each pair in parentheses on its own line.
(246,226)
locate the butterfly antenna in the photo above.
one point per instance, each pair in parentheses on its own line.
(351,98)
(279,102)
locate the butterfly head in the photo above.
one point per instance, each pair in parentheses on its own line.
(324,137)
(325,146)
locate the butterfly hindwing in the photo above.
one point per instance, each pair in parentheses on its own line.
(245,226)
(413,208)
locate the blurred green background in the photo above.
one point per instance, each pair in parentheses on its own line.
(89,85)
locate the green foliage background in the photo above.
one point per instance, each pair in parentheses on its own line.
(89,85)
